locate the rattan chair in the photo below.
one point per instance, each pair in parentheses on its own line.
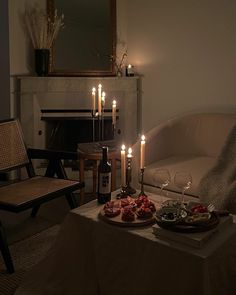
(34,190)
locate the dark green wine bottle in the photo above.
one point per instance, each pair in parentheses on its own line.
(104,178)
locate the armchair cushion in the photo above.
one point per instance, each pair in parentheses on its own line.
(196,165)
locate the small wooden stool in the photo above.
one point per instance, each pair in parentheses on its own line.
(93,152)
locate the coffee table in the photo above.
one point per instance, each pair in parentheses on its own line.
(93,257)
(92,152)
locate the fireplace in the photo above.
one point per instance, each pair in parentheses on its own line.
(65,133)
(55,111)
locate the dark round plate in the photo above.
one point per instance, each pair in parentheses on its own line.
(184,227)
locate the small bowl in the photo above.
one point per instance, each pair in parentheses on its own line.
(170,215)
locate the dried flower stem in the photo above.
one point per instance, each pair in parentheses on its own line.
(42,30)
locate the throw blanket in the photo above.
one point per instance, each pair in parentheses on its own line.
(218,186)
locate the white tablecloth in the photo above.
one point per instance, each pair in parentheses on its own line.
(91,257)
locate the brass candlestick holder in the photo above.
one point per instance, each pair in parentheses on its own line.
(142,193)
(129,189)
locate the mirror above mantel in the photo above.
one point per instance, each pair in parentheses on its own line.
(85,45)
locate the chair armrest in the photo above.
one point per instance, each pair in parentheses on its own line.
(51,154)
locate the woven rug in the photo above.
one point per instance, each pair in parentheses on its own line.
(25,254)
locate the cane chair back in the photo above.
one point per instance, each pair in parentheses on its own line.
(13,153)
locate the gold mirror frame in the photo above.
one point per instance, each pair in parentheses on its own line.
(54,71)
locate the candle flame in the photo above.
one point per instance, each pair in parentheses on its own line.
(99,86)
(114,102)
(143,138)
(123,147)
(129,66)
(94,89)
(103,94)
(130,150)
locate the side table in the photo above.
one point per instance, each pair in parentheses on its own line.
(93,152)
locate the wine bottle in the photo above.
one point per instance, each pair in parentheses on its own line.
(104,178)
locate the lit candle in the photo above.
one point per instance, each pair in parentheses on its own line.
(99,99)
(123,166)
(103,99)
(129,155)
(114,113)
(142,152)
(93,100)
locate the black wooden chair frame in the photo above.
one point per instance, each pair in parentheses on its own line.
(54,167)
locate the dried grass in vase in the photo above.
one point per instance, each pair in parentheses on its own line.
(42,29)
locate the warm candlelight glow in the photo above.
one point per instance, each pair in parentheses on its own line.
(93,100)
(103,99)
(129,153)
(99,99)
(142,152)
(114,113)
(123,166)
(129,66)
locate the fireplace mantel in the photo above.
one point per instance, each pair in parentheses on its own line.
(40,94)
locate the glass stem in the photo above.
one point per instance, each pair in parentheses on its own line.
(183,191)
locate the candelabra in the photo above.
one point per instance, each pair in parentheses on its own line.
(113,130)
(142,193)
(129,189)
(102,121)
(93,113)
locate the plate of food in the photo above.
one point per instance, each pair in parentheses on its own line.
(194,217)
(170,215)
(129,211)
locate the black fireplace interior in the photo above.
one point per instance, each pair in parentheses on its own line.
(65,133)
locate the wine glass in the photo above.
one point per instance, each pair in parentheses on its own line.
(161,178)
(183,180)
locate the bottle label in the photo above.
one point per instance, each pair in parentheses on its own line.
(105,183)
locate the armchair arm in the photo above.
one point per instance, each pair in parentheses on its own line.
(51,154)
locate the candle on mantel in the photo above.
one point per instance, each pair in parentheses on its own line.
(94,100)
(123,166)
(103,99)
(114,113)
(99,99)
(142,152)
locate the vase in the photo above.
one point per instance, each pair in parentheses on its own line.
(41,61)
(119,73)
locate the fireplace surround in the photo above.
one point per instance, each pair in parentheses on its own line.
(45,101)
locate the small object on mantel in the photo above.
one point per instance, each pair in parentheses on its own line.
(129,71)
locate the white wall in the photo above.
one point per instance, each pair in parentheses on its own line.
(186,52)
(184,49)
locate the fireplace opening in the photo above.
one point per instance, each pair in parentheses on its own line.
(65,133)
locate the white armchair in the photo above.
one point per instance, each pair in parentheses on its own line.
(190,143)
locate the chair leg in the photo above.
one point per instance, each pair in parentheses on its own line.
(35,211)
(5,251)
(71,201)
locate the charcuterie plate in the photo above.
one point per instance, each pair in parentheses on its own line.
(117,220)
(188,226)
(129,212)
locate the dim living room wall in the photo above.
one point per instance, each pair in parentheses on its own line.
(184,50)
